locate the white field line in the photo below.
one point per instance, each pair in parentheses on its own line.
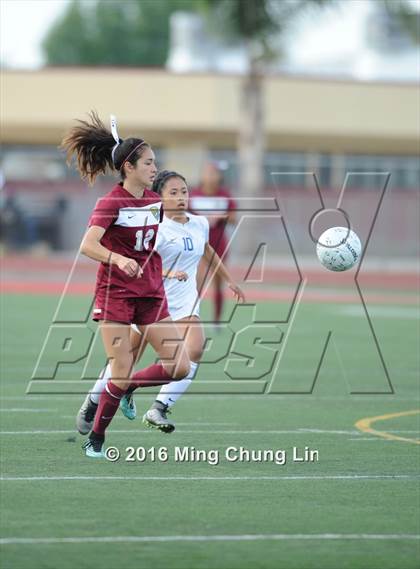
(257,396)
(200,538)
(192,432)
(346,432)
(327,431)
(376,438)
(355,435)
(196,423)
(371,438)
(24,410)
(415,432)
(193,424)
(211,478)
(28,398)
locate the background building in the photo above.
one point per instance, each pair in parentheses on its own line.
(328,127)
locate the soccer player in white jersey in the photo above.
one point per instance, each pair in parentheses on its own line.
(182,242)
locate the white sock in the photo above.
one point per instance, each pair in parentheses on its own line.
(99,386)
(171,392)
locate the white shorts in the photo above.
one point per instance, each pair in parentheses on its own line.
(185,311)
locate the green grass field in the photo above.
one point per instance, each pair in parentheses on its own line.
(357,507)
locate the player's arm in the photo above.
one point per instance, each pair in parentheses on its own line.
(179,275)
(91,247)
(231,217)
(216,265)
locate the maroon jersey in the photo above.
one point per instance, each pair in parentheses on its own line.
(219,203)
(131,226)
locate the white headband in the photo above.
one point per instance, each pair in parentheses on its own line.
(114,132)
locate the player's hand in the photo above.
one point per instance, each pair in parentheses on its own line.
(237,291)
(129,266)
(180,275)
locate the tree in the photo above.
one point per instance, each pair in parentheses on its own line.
(255,23)
(406,17)
(68,39)
(111,32)
(252,24)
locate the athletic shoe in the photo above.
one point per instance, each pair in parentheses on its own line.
(156,418)
(93,446)
(128,407)
(86,416)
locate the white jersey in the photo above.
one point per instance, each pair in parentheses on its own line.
(181,246)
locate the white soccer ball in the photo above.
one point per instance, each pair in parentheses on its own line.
(338,249)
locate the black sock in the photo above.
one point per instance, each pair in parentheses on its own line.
(96,437)
(159,405)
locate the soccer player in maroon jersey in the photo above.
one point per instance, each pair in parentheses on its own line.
(214,199)
(129,288)
(182,241)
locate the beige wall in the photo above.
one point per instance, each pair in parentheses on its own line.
(203,110)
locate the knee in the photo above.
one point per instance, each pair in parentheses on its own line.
(121,383)
(195,355)
(181,370)
(120,371)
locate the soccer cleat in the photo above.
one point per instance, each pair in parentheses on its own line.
(93,446)
(86,415)
(128,407)
(156,418)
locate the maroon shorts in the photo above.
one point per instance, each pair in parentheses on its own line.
(141,311)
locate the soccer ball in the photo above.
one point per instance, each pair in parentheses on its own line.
(338,249)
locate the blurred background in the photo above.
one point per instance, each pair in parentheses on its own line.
(272,91)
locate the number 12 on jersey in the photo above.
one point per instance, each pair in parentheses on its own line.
(142,241)
(188,244)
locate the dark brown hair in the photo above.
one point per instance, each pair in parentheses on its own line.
(92,143)
(161,179)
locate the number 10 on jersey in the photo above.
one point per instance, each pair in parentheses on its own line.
(188,244)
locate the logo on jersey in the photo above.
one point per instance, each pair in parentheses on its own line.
(139,216)
(155,212)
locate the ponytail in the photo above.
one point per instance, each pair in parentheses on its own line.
(96,150)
